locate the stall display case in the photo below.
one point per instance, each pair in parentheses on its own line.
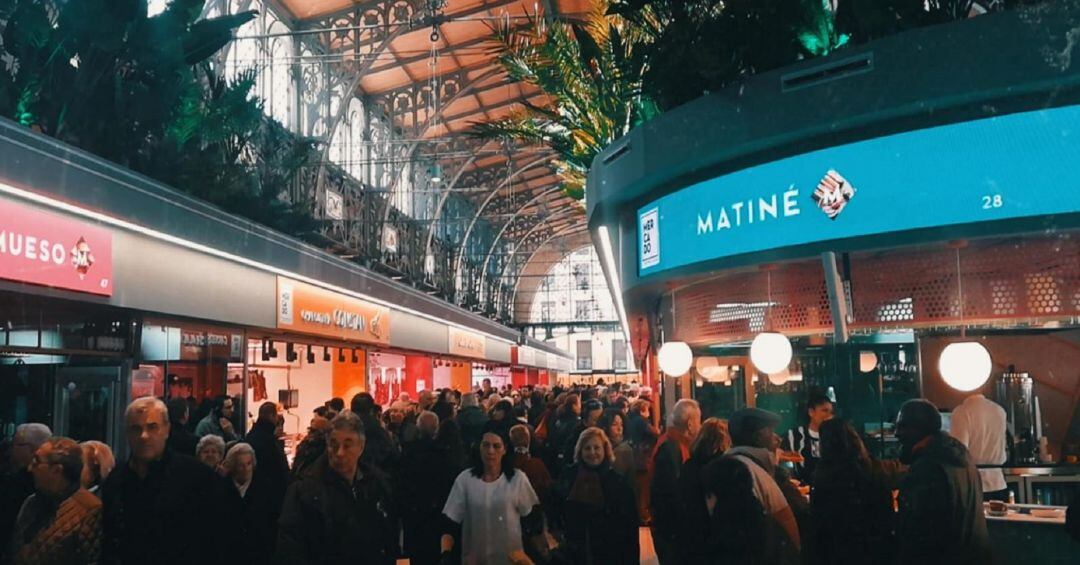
(1044,485)
(1051,491)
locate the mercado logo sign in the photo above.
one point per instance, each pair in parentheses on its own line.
(47,249)
(1006,167)
(466,343)
(309,309)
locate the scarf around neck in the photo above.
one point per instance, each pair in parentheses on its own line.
(587,489)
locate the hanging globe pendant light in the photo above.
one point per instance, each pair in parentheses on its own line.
(675,358)
(965,365)
(770,352)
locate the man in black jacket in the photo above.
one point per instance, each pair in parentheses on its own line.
(273,468)
(342,511)
(941,516)
(424,481)
(180,439)
(160,506)
(379,450)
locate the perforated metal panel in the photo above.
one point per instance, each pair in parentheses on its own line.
(737,306)
(1001,280)
(1004,282)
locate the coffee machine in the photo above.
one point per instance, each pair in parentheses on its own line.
(1015,395)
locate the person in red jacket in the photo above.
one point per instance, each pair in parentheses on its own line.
(665,500)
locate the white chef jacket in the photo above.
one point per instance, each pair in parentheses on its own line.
(979,423)
(490,515)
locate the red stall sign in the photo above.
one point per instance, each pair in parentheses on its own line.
(48,249)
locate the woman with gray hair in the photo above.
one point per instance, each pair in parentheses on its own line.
(251,504)
(211,451)
(239,465)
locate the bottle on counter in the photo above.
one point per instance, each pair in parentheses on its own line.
(1012,497)
(1044,451)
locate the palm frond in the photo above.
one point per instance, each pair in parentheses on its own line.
(590,70)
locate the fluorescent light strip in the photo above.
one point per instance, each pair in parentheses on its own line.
(52,203)
(609,260)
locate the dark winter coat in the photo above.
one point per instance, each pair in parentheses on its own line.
(694,531)
(271,464)
(600,535)
(173,516)
(471,421)
(15,487)
(424,480)
(181,440)
(380,451)
(665,500)
(853,513)
(325,519)
(941,515)
(308,452)
(252,520)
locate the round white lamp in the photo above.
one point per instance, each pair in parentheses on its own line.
(780,378)
(708,368)
(965,365)
(704,364)
(867,361)
(770,352)
(675,358)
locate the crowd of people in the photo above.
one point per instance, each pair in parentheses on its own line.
(529,475)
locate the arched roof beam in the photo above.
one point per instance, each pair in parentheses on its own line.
(480,210)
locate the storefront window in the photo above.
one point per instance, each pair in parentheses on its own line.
(193,362)
(61,364)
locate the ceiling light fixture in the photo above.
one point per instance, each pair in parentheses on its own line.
(675,358)
(770,351)
(964,365)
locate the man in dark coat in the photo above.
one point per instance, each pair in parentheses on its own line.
(665,500)
(342,511)
(471,421)
(941,516)
(273,467)
(425,478)
(160,506)
(591,410)
(17,484)
(181,440)
(379,450)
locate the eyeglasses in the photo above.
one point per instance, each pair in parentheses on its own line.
(39,461)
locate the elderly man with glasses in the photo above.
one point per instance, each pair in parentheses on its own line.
(61,521)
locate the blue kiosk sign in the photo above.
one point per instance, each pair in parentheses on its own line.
(1006,167)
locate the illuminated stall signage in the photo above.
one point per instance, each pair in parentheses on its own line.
(1006,167)
(304,308)
(467,344)
(51,250)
